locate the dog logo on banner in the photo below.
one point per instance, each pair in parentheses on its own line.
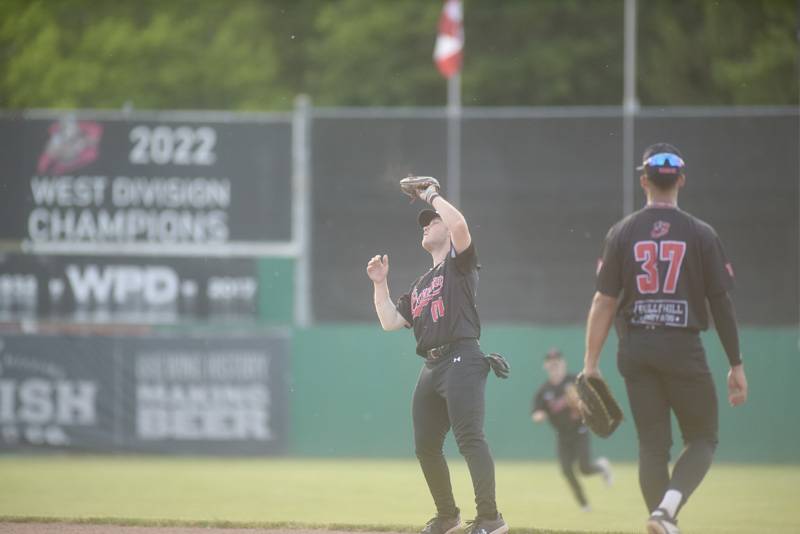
(72,145)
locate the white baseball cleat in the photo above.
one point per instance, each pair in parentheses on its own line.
(608,475)
(660,523)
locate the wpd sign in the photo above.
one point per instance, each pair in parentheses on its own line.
(127,289)
(129,394)
(156,182)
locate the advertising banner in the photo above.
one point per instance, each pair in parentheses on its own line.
(56,394)
(170,395)
(206,395)
(160,183)
(124,289)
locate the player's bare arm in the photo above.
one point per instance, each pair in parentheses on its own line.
(601,316)
(455,222)
(378,272)
(452,218)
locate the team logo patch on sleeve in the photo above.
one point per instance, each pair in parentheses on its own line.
(660,229)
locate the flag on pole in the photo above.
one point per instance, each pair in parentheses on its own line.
(450,40)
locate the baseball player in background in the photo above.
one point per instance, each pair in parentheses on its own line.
(440,307)
(556,401)
(660,266)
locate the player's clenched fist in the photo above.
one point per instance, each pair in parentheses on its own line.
(378,268)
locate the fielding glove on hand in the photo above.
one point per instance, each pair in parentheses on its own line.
(599,409)
(413,186)
(498,364)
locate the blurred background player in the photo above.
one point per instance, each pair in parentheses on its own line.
(556,401)
(450,392)
(662,265)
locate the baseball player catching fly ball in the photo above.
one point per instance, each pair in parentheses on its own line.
(659,270)
(440,307)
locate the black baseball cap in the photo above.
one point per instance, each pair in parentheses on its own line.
(662,159)
(553,354)
(425,217)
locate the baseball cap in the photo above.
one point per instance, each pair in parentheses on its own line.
(662,159)
(426,216)
(553,354)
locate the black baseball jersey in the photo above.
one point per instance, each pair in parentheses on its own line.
(665,263)
(440,305)
(552,399)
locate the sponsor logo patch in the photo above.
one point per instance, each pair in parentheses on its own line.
(660,313)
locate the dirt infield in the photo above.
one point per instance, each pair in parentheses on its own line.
(85,528)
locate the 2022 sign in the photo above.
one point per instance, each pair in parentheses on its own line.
(164,145)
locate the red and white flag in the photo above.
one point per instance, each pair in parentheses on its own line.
(450,40)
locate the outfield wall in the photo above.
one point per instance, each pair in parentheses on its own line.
(540,187)
(351,394)
(334,391)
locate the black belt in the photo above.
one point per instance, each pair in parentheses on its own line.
(441,351)
(437,352)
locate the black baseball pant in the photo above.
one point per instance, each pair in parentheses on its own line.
(450,393)
(574,447)
(665,371)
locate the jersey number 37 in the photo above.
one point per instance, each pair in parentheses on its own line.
(649,253)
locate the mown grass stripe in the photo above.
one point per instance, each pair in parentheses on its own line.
(254,525)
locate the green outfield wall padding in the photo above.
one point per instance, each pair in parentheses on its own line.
(276,296)
(351,394)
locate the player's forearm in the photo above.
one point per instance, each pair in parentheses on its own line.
(601,316)
(455,222)
(725,322)
(388,315)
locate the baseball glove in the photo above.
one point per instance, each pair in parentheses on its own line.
(413,185)
(498,364)
(599,409)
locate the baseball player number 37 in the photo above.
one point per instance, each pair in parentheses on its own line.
(661,269)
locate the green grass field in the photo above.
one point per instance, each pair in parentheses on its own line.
(743,499)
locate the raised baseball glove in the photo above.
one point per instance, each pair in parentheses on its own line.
(498,364)
(599,409)
(413,185)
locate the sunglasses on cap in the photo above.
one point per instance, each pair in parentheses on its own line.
(662,159)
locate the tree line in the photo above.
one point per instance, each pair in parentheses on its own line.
(258,54)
